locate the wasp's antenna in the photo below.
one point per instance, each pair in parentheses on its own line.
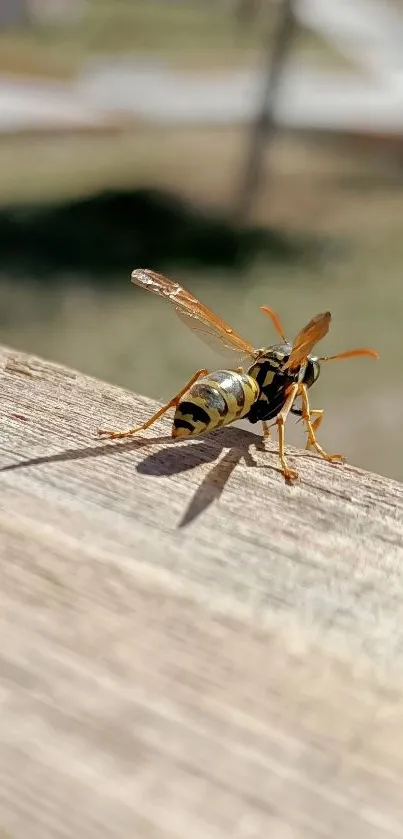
(275,320)
(350,354)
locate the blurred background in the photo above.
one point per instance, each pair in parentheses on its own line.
(251,149)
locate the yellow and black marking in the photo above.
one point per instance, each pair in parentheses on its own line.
(214,400)
(273,384)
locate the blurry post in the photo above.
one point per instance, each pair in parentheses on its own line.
(263,127)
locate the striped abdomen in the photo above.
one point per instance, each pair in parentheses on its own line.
(214,400)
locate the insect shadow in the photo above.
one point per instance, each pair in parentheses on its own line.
(85,452)
(214,483)
(176,457)
(182,458)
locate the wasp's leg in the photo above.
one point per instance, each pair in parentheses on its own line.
(312,427)
(266,436)
(289,474)
(318,413)
(266,430)
(115,435)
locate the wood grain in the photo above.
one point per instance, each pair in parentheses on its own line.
(189,648)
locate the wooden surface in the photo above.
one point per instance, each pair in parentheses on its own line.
(189,648)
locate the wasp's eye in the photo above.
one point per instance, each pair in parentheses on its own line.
(312,371)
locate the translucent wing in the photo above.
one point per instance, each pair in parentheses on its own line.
(208,326)
(313,332)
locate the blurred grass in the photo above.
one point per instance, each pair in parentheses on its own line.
(43,168)
(191,35)
(308,184)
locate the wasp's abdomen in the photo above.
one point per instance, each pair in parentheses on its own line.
(214,400)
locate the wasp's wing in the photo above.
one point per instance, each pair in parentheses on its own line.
(207,325)
(313,332)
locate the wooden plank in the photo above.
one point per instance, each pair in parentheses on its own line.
(189,647)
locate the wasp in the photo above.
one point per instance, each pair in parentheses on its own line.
(264,389)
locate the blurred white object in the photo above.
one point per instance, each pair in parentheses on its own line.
(26,105)
(367,32)
(308,98)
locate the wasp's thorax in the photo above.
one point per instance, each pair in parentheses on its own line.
(274,381)
(272,360)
